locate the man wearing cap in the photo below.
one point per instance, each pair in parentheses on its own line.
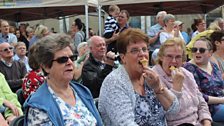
(184,34)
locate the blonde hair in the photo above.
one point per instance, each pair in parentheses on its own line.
(177,42)
(29,29)
(39,32)
(113,8)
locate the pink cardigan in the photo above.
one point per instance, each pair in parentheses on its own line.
(193,109)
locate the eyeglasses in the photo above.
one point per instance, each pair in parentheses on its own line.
(137,51)
(170,57)
(64,59)
(10,48)
(201,50)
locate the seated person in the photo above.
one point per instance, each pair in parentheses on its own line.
(193,108)
(8,100)
(14,71)
(20,54)
(59,101)
(217,39)
(97,66)
(34,78)
(132,94)
(208,77)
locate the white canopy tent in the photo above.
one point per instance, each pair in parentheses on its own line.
(20,10)
(151,7)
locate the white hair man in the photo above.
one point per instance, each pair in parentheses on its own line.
(154,32)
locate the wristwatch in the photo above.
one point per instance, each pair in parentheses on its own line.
(160,90)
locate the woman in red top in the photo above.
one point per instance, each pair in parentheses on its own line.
(34,78)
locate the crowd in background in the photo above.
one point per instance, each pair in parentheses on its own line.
(54,78)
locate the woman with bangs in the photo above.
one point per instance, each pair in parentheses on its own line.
(132,94)
(193,108)
(208,77)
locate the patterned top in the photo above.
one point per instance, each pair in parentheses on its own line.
(32,82)
(77,115)
(209,85)
(119,105)
(148,109)
(220,62)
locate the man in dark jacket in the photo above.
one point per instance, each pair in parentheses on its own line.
(98,66)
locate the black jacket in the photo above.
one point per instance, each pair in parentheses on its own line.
(93,74)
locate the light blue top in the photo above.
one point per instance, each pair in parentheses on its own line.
(153,31)
(10,38)
(25,61)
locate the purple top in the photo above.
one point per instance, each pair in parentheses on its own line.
(209,85)
(193,109)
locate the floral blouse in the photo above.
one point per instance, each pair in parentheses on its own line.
(209,85)
(148,110)
(77,115)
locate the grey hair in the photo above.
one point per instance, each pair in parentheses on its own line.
(82,44)
(40,30)
(160,14)
(168,17)
(47,46)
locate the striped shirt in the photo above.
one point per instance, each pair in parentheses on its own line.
(111,25)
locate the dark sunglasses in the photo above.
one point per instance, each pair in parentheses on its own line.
(8,49)
(201,50)
(64,59)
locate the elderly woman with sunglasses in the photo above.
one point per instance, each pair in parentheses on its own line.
(208,77)
(58,101)
(193,108)
(132,94)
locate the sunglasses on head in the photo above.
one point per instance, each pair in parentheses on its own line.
(64,59)
(201,50)
(8,49)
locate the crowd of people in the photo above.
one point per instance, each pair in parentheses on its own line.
(166,77)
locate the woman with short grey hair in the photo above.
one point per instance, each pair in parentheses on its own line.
(170,30)
(59,101)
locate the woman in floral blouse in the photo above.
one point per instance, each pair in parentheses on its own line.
(208,77)
(59,101)
(34,78)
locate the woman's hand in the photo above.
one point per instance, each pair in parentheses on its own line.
(178,79)
(151,77)
(12,107)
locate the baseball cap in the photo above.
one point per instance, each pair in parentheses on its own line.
(178,23)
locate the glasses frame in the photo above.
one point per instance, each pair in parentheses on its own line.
(177,58)
(64,59)
(135,51)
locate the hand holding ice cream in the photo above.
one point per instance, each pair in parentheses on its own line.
(178,78)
